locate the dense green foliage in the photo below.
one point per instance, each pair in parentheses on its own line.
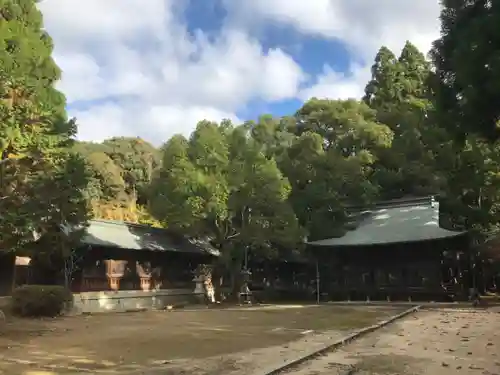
(423,127)
(34,133)
(467,62)
(465,89)
(40,300)
(221,185)
(121,167)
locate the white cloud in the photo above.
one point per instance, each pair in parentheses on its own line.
(362,25)
(160,80)
(332,84)
(141,73)
(92,126)
(154,121)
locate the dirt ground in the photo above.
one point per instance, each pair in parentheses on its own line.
(203,341)
(431,342)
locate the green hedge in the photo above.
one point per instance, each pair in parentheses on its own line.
(40,300)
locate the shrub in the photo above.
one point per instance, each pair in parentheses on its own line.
(40,300)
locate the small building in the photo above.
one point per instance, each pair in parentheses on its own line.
(121,264)
(125,256)
(396,250)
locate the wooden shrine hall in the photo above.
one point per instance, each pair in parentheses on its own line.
(116,256)
(396,250)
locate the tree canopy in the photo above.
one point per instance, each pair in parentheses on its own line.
(467,64)
(230,191)
(34,129)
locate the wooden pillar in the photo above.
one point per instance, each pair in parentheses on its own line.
(318,293)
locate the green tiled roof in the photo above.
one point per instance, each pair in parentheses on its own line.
(400,221)
(141,237)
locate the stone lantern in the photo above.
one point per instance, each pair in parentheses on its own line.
(115,270)
(144,271)
(245,290)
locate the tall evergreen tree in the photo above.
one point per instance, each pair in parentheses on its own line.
(402,103)
(380,89)
(34,128)
(467,62)
(466,90)
(414,72)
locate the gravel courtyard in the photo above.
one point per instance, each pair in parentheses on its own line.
(209,341)
(442,342)
(250,341)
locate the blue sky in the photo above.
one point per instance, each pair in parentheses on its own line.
(155,68)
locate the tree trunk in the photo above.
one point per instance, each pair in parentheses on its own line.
(235,270)
(218,280)
(229,264)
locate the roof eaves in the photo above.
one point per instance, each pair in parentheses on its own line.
(429,200)
(203,246)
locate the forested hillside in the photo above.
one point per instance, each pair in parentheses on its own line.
(120,171)
(422,127)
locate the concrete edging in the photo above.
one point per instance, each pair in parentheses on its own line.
(471,310)
(339,343)
(133,294)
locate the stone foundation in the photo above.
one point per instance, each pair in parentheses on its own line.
(133,300)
